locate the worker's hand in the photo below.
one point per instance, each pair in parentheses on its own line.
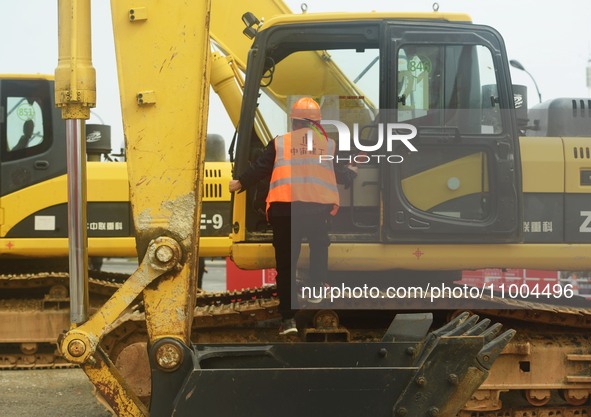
(235,185)
(353,168)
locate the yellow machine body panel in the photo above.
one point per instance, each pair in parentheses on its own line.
(441,182)
(426,257)
(333,17)
(543,165)
(27,248)
(47,77)
(577,160)
(108,182)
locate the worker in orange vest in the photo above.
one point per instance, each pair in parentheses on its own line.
(302,197)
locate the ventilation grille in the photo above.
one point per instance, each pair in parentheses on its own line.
(581,153)
(213,173)
(581,109)
(213,190)
(212,187)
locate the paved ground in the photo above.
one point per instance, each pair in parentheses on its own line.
(48,393)
(67,392)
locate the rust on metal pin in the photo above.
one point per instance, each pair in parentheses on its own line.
(76,348)
(169,356)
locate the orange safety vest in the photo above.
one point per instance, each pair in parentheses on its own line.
(299,175)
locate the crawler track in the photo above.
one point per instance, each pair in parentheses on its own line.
(250,316)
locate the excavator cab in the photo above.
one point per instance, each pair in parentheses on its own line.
(27,133)
(456,180)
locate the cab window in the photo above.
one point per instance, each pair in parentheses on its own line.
(448,86)
(26,119)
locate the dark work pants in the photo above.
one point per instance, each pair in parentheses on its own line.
(288,233)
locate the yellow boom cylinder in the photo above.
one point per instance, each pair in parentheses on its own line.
(225,85)
(75,77)
(75,93)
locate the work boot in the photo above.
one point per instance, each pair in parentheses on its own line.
(288,326)
(325,289)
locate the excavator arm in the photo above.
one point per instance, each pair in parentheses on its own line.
(163,66)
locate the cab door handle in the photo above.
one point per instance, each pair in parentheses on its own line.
(41,165)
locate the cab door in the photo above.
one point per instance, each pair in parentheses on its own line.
(31,151)
(30,129)
(462,182)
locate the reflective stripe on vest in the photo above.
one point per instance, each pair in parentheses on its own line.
(299,175)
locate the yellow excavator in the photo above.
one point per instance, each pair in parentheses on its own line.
(33,197)
(473,193)
(33,189)
(33,230)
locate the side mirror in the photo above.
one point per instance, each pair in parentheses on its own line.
(98,141)
(520,102)
(251,22)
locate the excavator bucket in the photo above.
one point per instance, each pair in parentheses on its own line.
(389,378)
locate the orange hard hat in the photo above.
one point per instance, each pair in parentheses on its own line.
(306,108)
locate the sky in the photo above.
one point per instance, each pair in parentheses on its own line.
(552,39)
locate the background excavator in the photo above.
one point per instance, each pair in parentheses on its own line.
(429,67)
